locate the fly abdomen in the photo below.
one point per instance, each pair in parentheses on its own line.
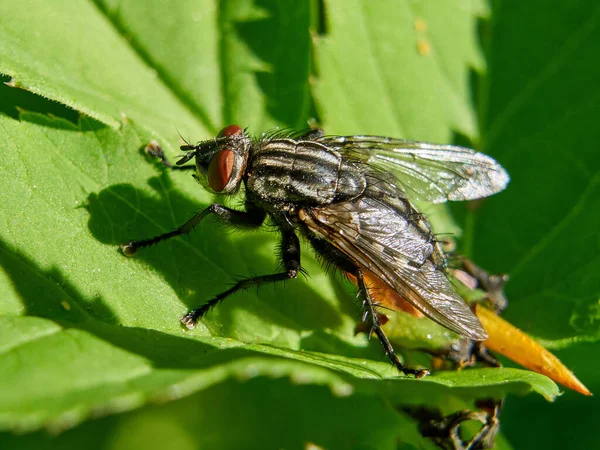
(303,173)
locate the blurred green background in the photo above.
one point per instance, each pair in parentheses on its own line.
(87,333)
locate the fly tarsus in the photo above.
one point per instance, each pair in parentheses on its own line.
(191,318)
(154,150)
(371,314)
(290,252)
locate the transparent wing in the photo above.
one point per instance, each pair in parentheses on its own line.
(428,172)
(380,239)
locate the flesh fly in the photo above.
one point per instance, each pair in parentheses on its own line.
(350,197)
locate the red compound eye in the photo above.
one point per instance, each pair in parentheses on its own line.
(220,169)
(230,130)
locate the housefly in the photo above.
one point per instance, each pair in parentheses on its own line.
(349,197)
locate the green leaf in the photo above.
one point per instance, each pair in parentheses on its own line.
(75,56)
(213,56)
(240,415)
(86,332)
(406,72)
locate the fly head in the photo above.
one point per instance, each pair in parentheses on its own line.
(220,162)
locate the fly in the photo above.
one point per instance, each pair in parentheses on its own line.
(349,197)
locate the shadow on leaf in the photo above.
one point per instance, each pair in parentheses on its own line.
(15,101)
(46,293)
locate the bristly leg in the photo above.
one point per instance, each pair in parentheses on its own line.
(290,252)
(253,218)
(371,314)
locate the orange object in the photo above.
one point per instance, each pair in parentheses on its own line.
(384,296)
(513,343)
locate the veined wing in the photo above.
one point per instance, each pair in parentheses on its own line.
(429,172)
(380,239)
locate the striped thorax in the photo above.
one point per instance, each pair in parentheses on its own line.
(302,172)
